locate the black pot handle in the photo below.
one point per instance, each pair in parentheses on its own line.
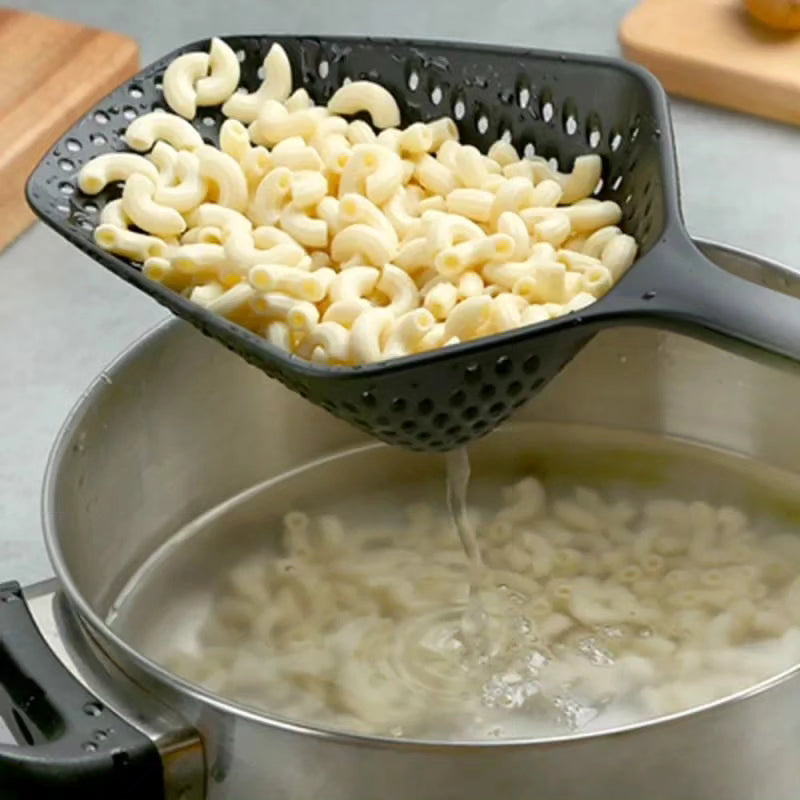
(71,746)
(676,287)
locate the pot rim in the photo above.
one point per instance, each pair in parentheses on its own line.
(101,631)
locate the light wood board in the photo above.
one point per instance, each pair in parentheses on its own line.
(713,51)
(50,73)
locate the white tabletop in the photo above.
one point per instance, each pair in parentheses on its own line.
(62,318)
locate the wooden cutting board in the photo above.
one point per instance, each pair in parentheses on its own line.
(50,73)
(713,51)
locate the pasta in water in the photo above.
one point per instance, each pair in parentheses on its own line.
(601,608)
(512,241)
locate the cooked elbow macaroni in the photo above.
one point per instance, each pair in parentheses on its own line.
(601,607)
(482,243)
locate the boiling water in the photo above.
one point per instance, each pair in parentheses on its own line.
(619,577)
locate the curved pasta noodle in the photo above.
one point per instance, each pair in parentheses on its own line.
(122,242)
(416,138)
(145,130)
(367,333)
(234,139)
(198,257)
(401,290)
(275,123)
(434,176)
(355,208)
(225,174)
(307,230)
(110,167)
(475,204)
(241,249)
(442,130)
(441,299)
(332,338)
(366,96)
(218,216)
(468,317)
(179,82)
(277,85)
(164,156)
(363,241)
(407,332)
(270,196)
(581,182)
(290,280)
(295,154)
(145,212)
(189,189)
(353,283)
(223,77)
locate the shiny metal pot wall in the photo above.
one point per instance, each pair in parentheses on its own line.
(178,425)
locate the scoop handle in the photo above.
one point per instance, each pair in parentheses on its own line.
(676,287)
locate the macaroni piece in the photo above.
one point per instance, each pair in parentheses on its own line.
(223,77)
(343,218)
(366,335)
(140,207)
(407,332)
(366,96)
(277,85)
(354,283)
(188,190)
(179,82)
(400,288)
(306,230)
(476,204)
(416,138)
(122,242)
(144,131)
(362,241)
(442,130)
(113,214)
(581,182)
(275,123)
(226,175)
(270,196)
(164,156)
(234,140)
(296,155)
(111,167)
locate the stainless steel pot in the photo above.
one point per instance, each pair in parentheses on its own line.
(177,425)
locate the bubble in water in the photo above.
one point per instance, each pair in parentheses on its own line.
(517,598)
(397,731)
(574,714)
(611,631)
(596,655)
(535,661)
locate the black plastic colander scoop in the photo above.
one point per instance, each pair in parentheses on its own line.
(554,105)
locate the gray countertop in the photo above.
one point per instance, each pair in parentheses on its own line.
(62,318)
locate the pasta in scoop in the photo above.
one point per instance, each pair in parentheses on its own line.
(403,196)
